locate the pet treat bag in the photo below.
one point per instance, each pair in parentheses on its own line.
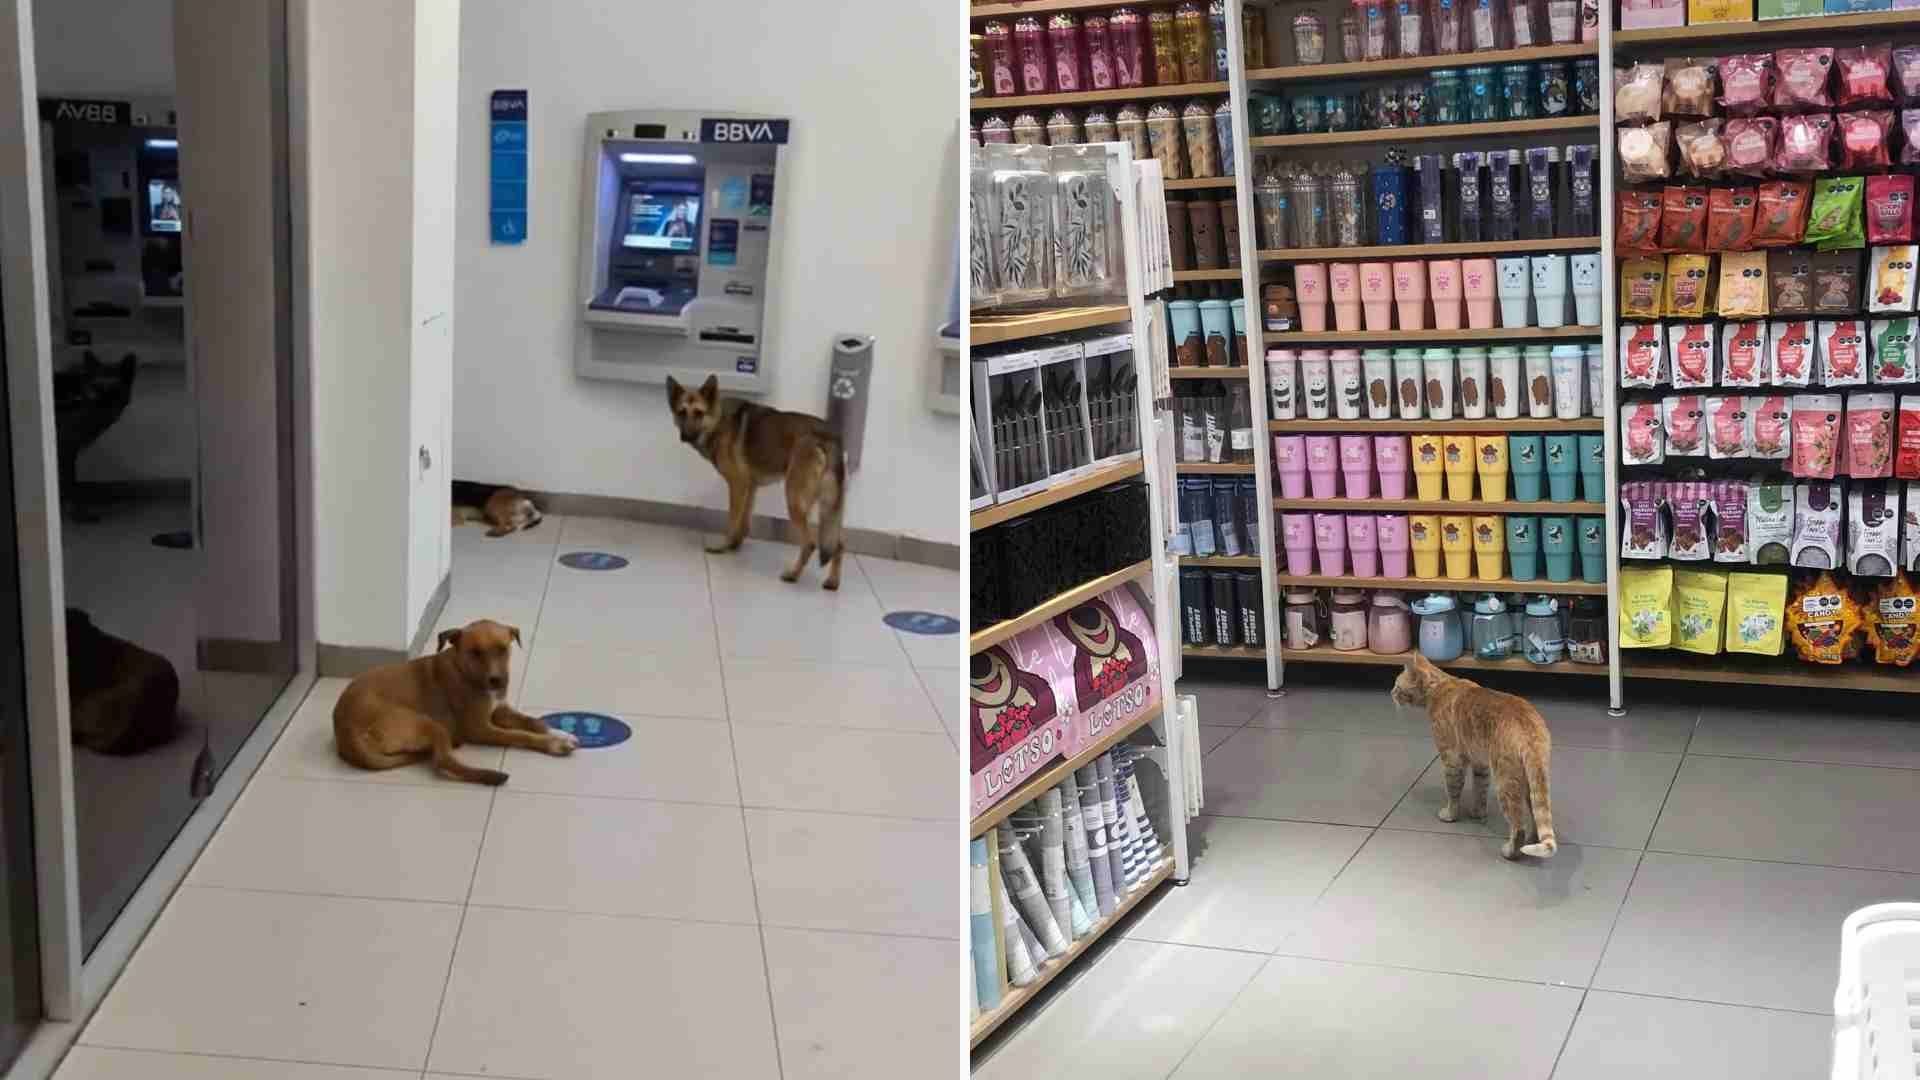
(1643,287)
(1645,152)
(1689,88)
(1818,513)
(1770,418)
(1699,610)
(1643,355)
(1689,505)
(1689,285)
(1843,352)
(1864,138)
(1804,144)
(1910,530)
(1892,277)
(1868,436)
(1743,284)
(1690,354)
(1893,620)
(1751,143)
(1639,220)
(1637,97)
(1790,282)
(1800,79)
(1728,432)
(1781,218)
(1823,622)
(1836,282)
(1890,209)
(1730,214)
(1646,607)
(1793,345)
(1816,436)
(1756,606)
(1683,417)
(1892,351)
(1644,534)
(1683,218)
(1770,523)
(1906,456)
(1729,521)
(1743,354)
(1862,75)
(1836,218)
(1746,82)
(1641,440)
(1873,528)
(1703,149)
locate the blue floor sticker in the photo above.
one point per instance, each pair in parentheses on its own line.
(594,731)
(921,622)
(591,560)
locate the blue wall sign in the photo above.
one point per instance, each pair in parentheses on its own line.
(743,131)
(507,167)
(592,560)
(921,622)
(594,730)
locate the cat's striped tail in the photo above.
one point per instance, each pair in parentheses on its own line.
(1542,811)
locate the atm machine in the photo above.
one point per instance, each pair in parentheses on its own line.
(677,237)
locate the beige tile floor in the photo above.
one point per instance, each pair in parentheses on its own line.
(757,885)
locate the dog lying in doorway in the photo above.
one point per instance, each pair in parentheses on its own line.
(751,446)
(421,710)
(506,509)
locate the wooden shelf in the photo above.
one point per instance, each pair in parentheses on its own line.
(1208,372)
(1040,782)
(993,329)
(1816,29)
(1200,183)
(1224,274)
(1783,670)
(1222,652)
(1034,7)
(1387,337)
(1443,584)
(994,515)
(1094,97)
(1416,251)
(1017,996)
(1220,562)
(1442,506)
(1523,424)
(1433,131)
(1381,69)
(1462,662)
(1072,598)
(1215,468)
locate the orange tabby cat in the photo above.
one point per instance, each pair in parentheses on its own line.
(1494,732)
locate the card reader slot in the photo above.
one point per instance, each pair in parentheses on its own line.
(726,334)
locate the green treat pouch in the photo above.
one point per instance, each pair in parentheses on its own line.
(1646,607)
(1699,610)
(1835,219)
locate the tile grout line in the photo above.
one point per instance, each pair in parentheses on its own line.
(1237,994)
(746,833)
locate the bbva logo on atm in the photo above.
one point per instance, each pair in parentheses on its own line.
(743,131)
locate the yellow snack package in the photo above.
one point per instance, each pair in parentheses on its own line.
(1643,287)
(1756,612)
(1646,607)
(1699,610)
(1893,622)
(1743,284)
(1823,621)
(1689,285)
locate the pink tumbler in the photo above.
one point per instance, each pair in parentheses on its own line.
(1480,287)
(1345,286)
(1361,543)
(1330,536)
(1001,67)
(1376,293)
(1410,294)
(1323,460)
(1443,285)
(1030,44)
(1310,290)
(1390,456)
(1099,52)
(1290,461)
(1356,463)
(1296,536)
(1391,536)
(1063,40)
(1128,36)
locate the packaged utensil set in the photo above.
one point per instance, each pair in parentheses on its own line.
(1051,409)
(1044,224)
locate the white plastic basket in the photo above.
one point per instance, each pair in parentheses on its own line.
(1876,1008)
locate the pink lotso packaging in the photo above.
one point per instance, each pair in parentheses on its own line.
(1641,441)
(1791,345)
(1048,693)
(1743,354)
(1643,355)
(1843,352)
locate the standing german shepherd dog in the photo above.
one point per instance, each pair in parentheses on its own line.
(751,445)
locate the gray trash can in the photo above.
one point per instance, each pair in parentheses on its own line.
(847,392)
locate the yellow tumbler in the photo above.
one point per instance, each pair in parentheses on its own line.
(1457,544)
(1490,457)
(1456,451)
(1423,536)
(1426,466)
(1490,545)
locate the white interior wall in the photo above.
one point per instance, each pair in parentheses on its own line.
(103,48)
(867,199)
(436,91)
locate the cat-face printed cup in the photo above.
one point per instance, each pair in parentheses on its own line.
(1477,286)
(1390,459)
(1549,289)
(1310,292)
(1296,539)
(1330,538)
(1323,465)
(1290,461)
(1356,465)
(1390,533)
(1515,286)
(1362,545)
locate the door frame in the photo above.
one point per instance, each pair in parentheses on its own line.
(73,984)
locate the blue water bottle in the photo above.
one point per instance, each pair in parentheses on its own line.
(1390,195)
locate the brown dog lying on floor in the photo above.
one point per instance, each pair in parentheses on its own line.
(402,713)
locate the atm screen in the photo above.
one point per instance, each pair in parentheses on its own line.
(163,206)
(663,215)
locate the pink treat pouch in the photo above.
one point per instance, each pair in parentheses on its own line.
(1869,436)
(1728,431)
(1771,417)
(1816,435)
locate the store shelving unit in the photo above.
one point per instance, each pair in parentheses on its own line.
(1443,506)
(1066,601)
(1423,251)
(1861,26)
(1386,69)
(1522,424)
(1099,478)
(1467,584)
(1097,97)
(994,329)
(1440,337)
(1494,129)
(1329,655)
